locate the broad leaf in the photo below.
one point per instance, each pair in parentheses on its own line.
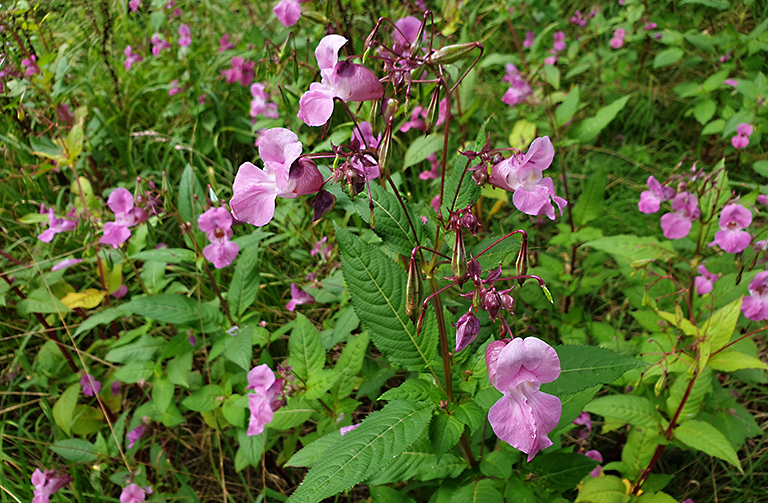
(391,222)
(64,409)
(590,203)
(731,361)
(719,328)
(705,437)
(566,110)
(561,470)
(312,453)
(75,450)
(585,366)
(608,489)
(167,255)
(421,147)
(245,282)
(588,129)
(420,462)
(306,349)
(668,57)
(349,364)
(478,491)
(444,432)
(631,409)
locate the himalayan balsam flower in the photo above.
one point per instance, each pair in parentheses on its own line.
(131,57)
(242,71)
(91,386)
(225,44)
(677,225)
(417,120)
(265,398)
(47,483)
(404,35)
(741,140)
(66,263)
(363,136)
(595,455)
(524,415)
(346,429)
(322,249)
(217,224)
(618,38)
(731,237)
(434,169)
(529,36)
(185,35)
(30,66)
(260,104)
(62,110)
(288,12)
(115,388)
(654,196)
(126,215)
(135,434)
(649,26)
(755,307)
(559,44)
(519,90)
(762,199)
(340,79)
(121,292)
(256,190)
(175,89)
(467,328)
(132,494)
(521,173)
(298,297)
(731,82)
(578,19)
(57,225)
(583,419)
(159,44)
(134,5)
(551,60)
(704,282)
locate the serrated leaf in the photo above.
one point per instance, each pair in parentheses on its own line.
(145,348)
(470,414)
(478,491)
(166,255)
(585,366)
(731,361)
(561,470)
(706,438)
(695,397)
(312,453)
(205,399)
(444,432)
(176,309)
(635,410)
(349,364)
(608,489)
(496,255)
(668,57)
(391,222)
(384,494)
(640,448)
(64,409)
(319,382)
(421,147)
(588,129)
(420,462)
(656,498)
(498,464)
(719,328)
(377,288)
(75,450)
(412,390)
(379,439)
(305,348)
(705,110)
(239,348)
(135,371)
(249,451)
(245,281)
(294,413)
(590,203)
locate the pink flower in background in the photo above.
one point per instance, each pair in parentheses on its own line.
(62,110)
(340,79)
(175,89)
(524,415)
(135,434)
(91,386)
(651,199)
(185,36)
(649,26)
(762,199)
(66,263)
(550,60)
(731,82)
(403,37)
(731,237)
(126,215)
(115,388)
(159,44)
(322,249)
(260,104)
(618,38)
(134,5)
(242,71)
(121,292)
(743,132)
(435,203)
(225,44)
(726,57)
(755,307)
(583,419)
(577,19)
(467,328)
(704,283)
(434,170)
(529,36)
(298,297)
(57,225)
(346,429)
(519,90)
(265,398)
(47,483)
(132,494)
(593,454)
(417,120)
(559,44)
(217,224)
(677,225)
(255,190)
(201,99)
(288,12)
(522,174)
(30,66)
(130,57)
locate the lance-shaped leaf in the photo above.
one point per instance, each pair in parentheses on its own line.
(585,366)
(705,437)
(631,409)
(307,352)
(391,221)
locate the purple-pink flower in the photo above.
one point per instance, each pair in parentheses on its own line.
(126,215)
(131,57)
(559,44)
(115,388)
(132,494)
(685,209)
(731,82)
(225,44)
(134,5)
(217,225)
(242,71)
(260,104)
(521,173)
(434,169)
(550,60)
(651,199)
(47,483)
(583,419)
(30,66)
(649,26)
(618,38)
(66,263)
(404,35)
(417,120)
(762,199)
(519,90)
(159,44)
(731,237)
(121,292)
(57,225)
(578,19)
(255,190)
(265,398)
(529,36)
(755,306)
(298,297)
(524,415)
(595,455)
(340,79)
(741,140)
(175,89)
(467,328)
(135,434)
(322,249)
(185,35)
(91,387)
(704,282)
(288,12)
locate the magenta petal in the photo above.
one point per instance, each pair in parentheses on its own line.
(735,241)
(310,181)
(353,82)
(754,308)
(288,12)
(115,234)
(47,235)
(120,200)
(221,254)
(215,218)
(316,105)
(132,494)
(261,413)
(254,194)
(735,215)
(675,226)
(649,202)
(539,155)
(261,378)
(703,285)
(407,30)
(525,360)
(327,52)
(533,201)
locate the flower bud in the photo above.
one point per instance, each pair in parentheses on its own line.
(469,220)
(459,259)
(467,328)
(506,302)
(497,158)
(522,262)
(413,291)
(452,53)
(384,150)
(480,176)
(390,110)
(474,271)
(433,111)
(323,203)
(491,303)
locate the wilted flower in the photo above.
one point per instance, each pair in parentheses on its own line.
(57,225)
(131,57)
(755,307)
(288,12)
(741,140)
(265,398)
(91,386)
(260,104)
(47,483)
(731,237)
(126,215)
(467,328)
(704,281)
(651,199)
(185,35)
(225,44)
(217,225)
(298,297)
(677,225)
(158,44)
(242,71)
(132,494)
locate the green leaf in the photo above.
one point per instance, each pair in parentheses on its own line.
(176,309)
(379,439)
(294,413)
(719,328)
(656,498)
(731,361)
(135,371)
(41,301)
(377,288)
(166,255)
(321,381)
(704,437)
(761,167)
(421,148)
(162,394)
(715,4)
(239,348)
(384,494)
(590,203)
(419,462)
(478,491)
(189,187)
(588,129)
(608,489)
(312,453)
(349,364)
(552,76)
(75,450)
(306,349)
(640,448)
(705,110)
(101,318)
(699,390)
(412,390)
(469,191)
(573,404)
(205,399)
(498,464)
(635,410)
(245,281)
(444,432)
(668,57)
(496,255)
(470,414)
(178,368)
(145,348)
(585,366)
(566,110)
(561,470)
(64,409)
(714,127)
(391,222)
(249,451)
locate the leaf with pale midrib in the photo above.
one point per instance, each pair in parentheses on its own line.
(391,222)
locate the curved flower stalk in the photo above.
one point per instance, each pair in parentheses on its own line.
(340,79)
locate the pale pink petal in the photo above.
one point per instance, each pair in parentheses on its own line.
(115,234)
(525,360)
(120,200)
(261,378)
(254,194)
(279,148)
(649,202)
(732,241)
(675,226)
(327,52)
(261,413)
(316,105)
(221,254)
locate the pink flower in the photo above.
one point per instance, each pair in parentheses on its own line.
(404,35)
(30,66)
(64,114)
(340,79)
(731,82)
(56,225)
(524,415)
(185,35)
(578,19)
(467,328)
(130,57)
(217,224)
(677,225)
(288,12)
(741,140)
(649,26)
(242,70)
(201,99)
(115,388)
(121,292)
(298,297)
(132,494)
(521,173)
(529,36)
(66,263)
(134,5)
(159,44)
(519,89)
(256,190)
(417,120)
(175,89)
(91,386)
(434,171)
(265,398)
(704,282)
(583,419)
(755,307)
(225,44)
(47,483)
(435,203)
(135,434)
(260,104)
(126,215)
(559,44)
(595,455)
(322,249)
(726,57)
(550,60)
(762,199)
(651,199)
(731,238)
(346,429)
(362,136)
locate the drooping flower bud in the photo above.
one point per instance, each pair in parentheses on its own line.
(522,262)
(459,260)
(506,302)
(474,271)
(390,110)
(413,291)
(469,220)
(467,328)
(491,303)
(323,203)
(452,53)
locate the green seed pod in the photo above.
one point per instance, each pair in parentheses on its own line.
(459,260)
(414,291)
(522,262)
(452,53)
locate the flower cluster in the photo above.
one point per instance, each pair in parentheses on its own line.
(618,38)
(217,225)
(519,90)
(131,57)
(260,104)
(265,399)
(242,70)
(159,44)
(91,387)
(755,306)
(298,297)
(704,282)
(558,46)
